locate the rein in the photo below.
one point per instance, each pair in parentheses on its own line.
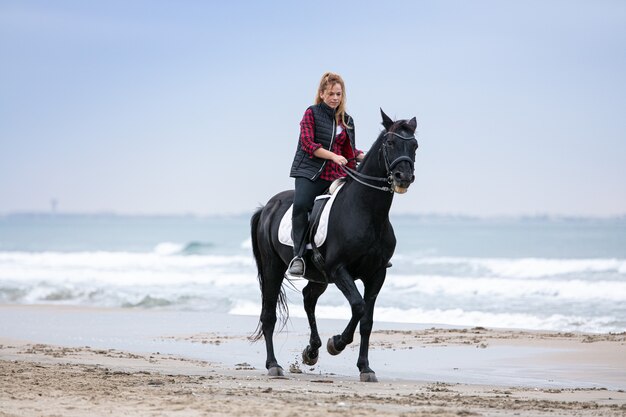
(358,177)
(355,176)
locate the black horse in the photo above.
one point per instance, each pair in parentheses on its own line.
(359,244)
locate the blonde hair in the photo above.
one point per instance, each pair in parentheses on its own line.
(329,79)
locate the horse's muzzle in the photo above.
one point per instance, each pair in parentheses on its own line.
(401,181)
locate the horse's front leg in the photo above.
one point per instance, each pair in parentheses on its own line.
(311,293)
(346,285)
(372,287)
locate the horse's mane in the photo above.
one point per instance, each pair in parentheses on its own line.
(373,151)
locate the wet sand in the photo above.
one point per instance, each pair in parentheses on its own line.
(67,361)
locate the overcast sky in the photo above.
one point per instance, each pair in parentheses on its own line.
(167,107)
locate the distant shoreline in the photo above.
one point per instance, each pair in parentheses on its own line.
(417,216)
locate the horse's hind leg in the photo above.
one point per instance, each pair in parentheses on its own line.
(272,296)
(311,293)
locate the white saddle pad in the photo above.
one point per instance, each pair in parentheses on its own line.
(284,229)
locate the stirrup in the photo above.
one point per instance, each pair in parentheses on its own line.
(291,264)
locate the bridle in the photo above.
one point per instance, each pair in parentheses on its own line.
(399,159)
(358,177)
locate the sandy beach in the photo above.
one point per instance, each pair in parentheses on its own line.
(73,361)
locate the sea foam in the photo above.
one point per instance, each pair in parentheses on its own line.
(556,294)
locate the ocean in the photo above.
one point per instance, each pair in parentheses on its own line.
(542,273)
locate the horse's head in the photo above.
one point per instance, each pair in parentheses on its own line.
(398,148)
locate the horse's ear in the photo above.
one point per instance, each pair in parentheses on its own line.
(412,124)
(387,122)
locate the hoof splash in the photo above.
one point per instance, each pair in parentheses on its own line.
(307,359)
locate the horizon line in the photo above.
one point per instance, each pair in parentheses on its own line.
(114,213)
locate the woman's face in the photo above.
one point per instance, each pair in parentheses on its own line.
(332,96)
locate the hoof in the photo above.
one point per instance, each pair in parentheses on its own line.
(368,377)
(276,371)
(307,359)
(330,347)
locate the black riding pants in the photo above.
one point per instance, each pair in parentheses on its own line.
(306,191)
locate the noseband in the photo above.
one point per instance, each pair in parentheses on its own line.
(357,176)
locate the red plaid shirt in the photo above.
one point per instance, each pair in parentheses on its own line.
(341,146)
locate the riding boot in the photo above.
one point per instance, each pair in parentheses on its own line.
(299,227)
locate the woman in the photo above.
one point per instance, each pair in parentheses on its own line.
(326,144)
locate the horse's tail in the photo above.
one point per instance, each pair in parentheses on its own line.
(254,226)
(283,309)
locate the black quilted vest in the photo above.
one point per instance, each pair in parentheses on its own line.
(325,128)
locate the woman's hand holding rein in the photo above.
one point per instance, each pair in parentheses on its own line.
(326,154)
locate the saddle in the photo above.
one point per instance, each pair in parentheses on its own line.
(317,228)
(318,218)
